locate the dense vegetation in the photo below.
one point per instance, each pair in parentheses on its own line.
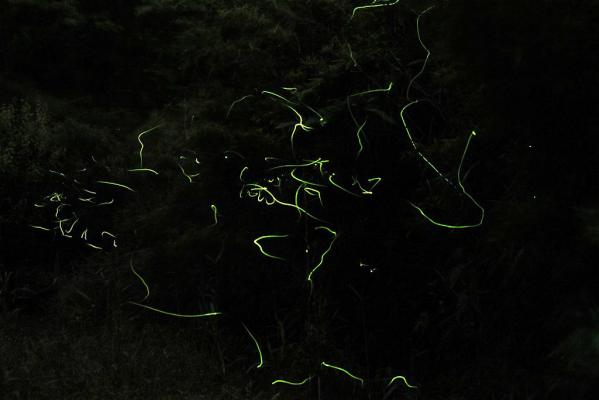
(507,309)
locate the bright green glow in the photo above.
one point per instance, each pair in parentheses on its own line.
(268,237)
(94,246)
(351,55)
(373,5)
(40,228)
(314,192)
(291,383)
(305,182)
(175,314)
(189,177)
(482,215)
(258,190)
(399,377)
(332,232)
(257,345)
(235,102)
(143,170)
(141,149)
(346,372)
(214,213)
(340,187)
(428,53)
(387,90)
(299,124)
(296,198)
(141,279)
(116,184)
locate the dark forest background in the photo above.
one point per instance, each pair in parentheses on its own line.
(505,310)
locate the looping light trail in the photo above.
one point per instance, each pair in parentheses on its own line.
(257,240)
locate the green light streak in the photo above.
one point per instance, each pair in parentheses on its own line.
(332,232)
(482,215)
(94,246)
(290,89)
(241,173)
(40,228)
(141,279)
(291,383)
(257,345)
(268,237)
(175,314)
(386,90)
(257,190)
(84,234)
(57,173)
(105,203)
(351,55)
(399,377)
(360,145)
(141,149)
(321,119)
(314,192)
(143,170)
(278,96)
(341,187)
(72,225)
(428,53)
(299,124)
(189,177)
(346,372)
(318,162)
(235,102)
(116,184)
(85,199)
(371,6)
(215,214)
(89,191)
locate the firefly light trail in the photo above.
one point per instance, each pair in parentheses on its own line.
(346,372)
(428,53)
(257,346)
(332,232)
(291,383)
(399,377)
(268,237)
(141,149)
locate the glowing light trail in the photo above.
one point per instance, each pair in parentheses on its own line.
(346,372)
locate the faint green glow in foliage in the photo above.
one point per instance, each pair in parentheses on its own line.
(189,177)
(214,214)
(422,156)
(399,377)
(299,124)
(57,173)
(141,279)
(40,228)
(351,55)
(428,53)
(257,346)
(309,163)
(386,90)
(143,170)
(291,383)
(116,184)
(94,246)
(39,205)
(373,5)
(105,203)
(321,119)
(210,314)
(356,182)
(482,210)
(235,102)
(332,232)
(141,149)
(257,240)
(346,372)
(341,187)
(360,145)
